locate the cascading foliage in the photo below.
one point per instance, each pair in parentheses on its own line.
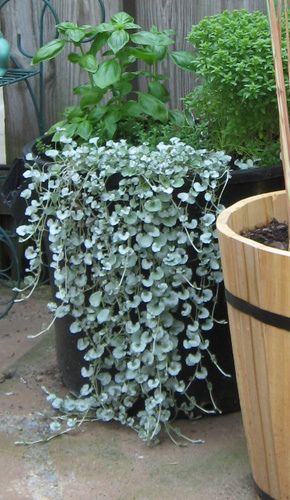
(136,265)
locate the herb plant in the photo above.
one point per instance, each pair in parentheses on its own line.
(136,265)
(237,97)
(109,103)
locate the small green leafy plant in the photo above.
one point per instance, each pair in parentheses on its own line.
(136,266)
(237,97)
(109,105)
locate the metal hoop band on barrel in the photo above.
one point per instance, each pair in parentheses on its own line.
(267,317)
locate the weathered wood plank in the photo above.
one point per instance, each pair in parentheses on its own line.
(180,15)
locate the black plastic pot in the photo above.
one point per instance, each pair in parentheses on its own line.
(10,201)
(69,359)
(245,183)
(12,214)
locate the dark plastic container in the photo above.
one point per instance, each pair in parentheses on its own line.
(245,183)
(10,201)
(69,359)
(12,214)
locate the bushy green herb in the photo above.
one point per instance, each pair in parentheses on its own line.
(136,265)
(195,134)
(237,97)
(108,102)
(40,146)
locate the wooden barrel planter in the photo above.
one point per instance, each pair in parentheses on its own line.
(257,282)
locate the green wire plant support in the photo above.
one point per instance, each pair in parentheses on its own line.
(18,73)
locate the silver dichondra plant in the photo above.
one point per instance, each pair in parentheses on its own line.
(135,259)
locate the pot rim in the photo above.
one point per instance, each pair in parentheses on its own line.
(223,222)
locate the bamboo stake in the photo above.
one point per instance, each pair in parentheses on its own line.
(279,15)
(286,6)
(275,24)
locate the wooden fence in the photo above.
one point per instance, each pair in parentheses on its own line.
(22,16)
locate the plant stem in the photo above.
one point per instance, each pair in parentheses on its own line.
(89,74)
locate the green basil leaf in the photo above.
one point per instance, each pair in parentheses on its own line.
(183,59)
(132,108)
(118,40)
(105,27)
(81,89)
(144,54)
(63,27)
(145,38)
(97,113)
(99,42)
(177,117)
(69,130)
(108,53)
(153,107)
(159,51)
(124,87)
(91,97)
(89,63)
(125,57)
(74,58)
(122,18)
(72,112)
(55,126)
(48,51)
(158,90)
(110,123)
(109,72)
(131,26)
(148,38)
(85,129)
(75,34)
(91,32)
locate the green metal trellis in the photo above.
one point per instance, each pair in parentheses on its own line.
(18,73)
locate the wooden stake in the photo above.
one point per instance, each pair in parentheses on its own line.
(275,24)
(287,37)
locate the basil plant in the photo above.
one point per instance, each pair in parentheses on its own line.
(109,103)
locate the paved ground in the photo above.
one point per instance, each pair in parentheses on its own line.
(100,461)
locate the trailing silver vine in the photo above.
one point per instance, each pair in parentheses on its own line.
(136,265)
